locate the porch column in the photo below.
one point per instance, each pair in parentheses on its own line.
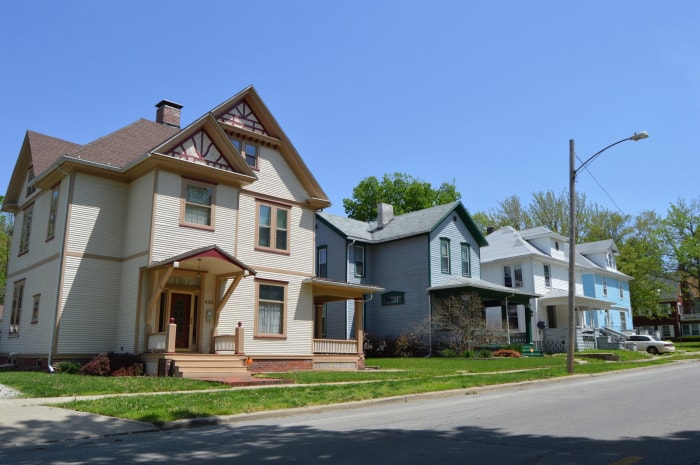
(359,326)
(318,321)
(170,336)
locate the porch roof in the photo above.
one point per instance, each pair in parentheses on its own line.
(485,289)
(210,259)
(561,297)
(327,290)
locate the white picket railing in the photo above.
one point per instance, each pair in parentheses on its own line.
(335,346)
(156,342)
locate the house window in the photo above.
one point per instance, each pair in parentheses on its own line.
(547,276)
(271,308)
(393,298)
(513,276)
(605,286)
(666,331)
(322,261)
(691,330)
(30,177)
(444,255)
(466,263)
(197,205)
(623,320)
(359,261)
(552,316)
(248,150)
(53,208)
(26,229)
(622,293)
(556,245)
(16,312)
(273,227)
(35,309)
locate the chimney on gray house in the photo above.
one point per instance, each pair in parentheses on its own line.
(385,213)
(168,113)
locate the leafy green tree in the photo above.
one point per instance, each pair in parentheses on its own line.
(681,235)
(642,257)
(6,222)
(404,192)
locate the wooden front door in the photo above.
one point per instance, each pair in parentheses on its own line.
(181,311)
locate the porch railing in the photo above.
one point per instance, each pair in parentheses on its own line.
(335,346)
(225,344)
(690,316)
(157,342)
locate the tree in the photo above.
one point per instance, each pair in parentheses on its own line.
(681,234)
(6,223)
(459,324)
(642,258)
(404,192)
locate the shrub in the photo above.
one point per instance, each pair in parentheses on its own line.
(507,353)
(447,353)
(484,354)
(407,345)
(516,347)
(68,367)
(469,354)
(133,370)
(375,346)
(98,366)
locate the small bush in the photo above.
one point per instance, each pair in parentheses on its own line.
(68,367)
(407,345)
(133,370)
(469,354)
(447,353)
(484,354)
(507,353)
(375,346)
(98,366)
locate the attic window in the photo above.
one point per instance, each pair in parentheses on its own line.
(30,178)
(248,150)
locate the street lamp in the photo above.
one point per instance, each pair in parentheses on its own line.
(573,171)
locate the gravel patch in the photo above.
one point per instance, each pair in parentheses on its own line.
(7,392)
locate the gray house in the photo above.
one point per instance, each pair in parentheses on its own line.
(419,258)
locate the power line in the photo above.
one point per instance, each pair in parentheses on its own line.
(602,188)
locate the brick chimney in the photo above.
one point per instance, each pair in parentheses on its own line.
(385,213)
(168,113)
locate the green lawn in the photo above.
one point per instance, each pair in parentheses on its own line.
(393,377)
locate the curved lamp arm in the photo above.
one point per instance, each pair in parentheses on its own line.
(637,136)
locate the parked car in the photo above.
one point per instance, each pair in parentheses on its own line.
(651,344)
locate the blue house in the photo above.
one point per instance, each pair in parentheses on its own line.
(419,259)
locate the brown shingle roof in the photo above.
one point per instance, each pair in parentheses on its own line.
(125,145)
(46,149)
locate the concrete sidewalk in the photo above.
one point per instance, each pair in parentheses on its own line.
(30,421)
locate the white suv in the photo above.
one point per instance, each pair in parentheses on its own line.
(651,344)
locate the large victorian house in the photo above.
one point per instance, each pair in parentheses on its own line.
(192,247)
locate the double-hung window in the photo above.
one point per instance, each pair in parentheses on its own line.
(513,275)
(53,209)
(466,260)
(605,286)
(547,276)
(26,229)
(273,227)
(444,255)
(197,204)
(248,150)
(359,261)
(322,261)
(16,312)
(271,309)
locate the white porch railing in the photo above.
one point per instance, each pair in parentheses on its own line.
(156,342)
(335,346)
(225,344)
(690,316)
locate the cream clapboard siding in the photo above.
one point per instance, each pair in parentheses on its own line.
(170,239)
(89,307)
(137,236)
(32,336)
(275,178)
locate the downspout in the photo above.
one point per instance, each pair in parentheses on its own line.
(61,255)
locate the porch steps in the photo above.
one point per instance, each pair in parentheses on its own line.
(208,366)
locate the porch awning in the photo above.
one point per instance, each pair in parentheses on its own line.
(210,258)
(561,297)
(485,289)
(326,290)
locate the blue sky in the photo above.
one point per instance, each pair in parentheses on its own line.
(483,93)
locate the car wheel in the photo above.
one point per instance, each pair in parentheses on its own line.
(652,350)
